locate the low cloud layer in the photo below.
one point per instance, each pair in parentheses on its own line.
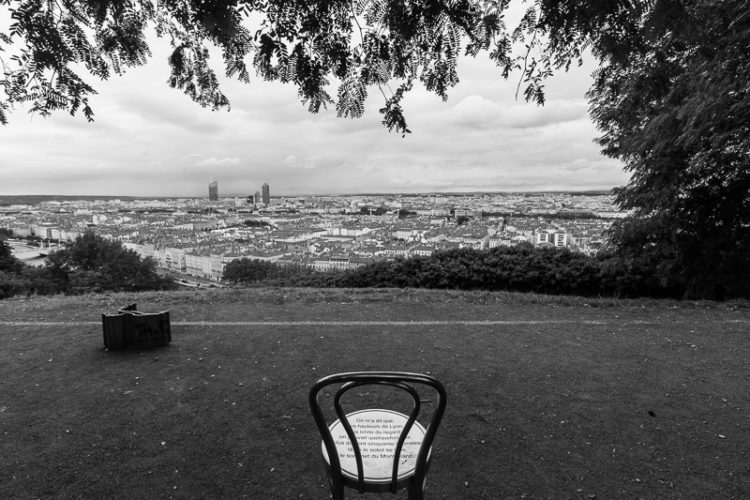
(150,140)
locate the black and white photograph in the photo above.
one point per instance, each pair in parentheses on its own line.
(329,249)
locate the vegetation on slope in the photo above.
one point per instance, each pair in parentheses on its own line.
(90,264)
(523,268)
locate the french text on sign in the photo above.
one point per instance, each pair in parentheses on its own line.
(377,432)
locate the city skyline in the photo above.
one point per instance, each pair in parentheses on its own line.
(257,196)
(151,140)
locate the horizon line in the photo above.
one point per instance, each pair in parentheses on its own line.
(355,193)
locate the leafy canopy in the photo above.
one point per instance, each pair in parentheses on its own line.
(8,262)
(675,108)
(93,263)
(333,51)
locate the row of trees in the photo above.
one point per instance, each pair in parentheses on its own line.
(523,268)
(90,264)
(95,264)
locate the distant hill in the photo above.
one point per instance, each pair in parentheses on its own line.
(35,199)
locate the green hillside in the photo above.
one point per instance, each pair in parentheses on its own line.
(548,397)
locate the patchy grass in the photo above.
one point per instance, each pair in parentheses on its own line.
(558,398)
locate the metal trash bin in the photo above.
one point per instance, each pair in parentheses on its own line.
(130,327)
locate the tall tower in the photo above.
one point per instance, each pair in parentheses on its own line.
(213,191)
(266,194)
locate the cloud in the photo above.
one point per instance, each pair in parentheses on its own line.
(310,162)
(218,162)
(476,112)
(578,165)
(481,138)
(529,115)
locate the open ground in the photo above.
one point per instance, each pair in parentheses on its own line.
(548,397)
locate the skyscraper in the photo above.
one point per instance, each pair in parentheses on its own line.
(266,194)
(213,191)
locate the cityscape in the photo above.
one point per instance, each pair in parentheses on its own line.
(197,237)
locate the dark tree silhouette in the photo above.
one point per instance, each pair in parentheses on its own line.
(93,263)
(8,262)
(674,105)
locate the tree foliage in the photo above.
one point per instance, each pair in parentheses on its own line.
(11,283)
(675,108)
(8,262)
(249,271)
(390,45)
(523,268)
(94,264)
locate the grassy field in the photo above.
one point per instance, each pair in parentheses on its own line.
(548,397)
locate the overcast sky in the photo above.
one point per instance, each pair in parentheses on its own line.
(151,140)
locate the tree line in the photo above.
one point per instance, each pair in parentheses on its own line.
(521,268)
(90,264)
(93,264)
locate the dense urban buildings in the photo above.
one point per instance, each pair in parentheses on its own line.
(198,237)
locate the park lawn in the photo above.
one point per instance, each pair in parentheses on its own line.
(548,397)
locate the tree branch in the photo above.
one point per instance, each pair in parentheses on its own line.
(525,62)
